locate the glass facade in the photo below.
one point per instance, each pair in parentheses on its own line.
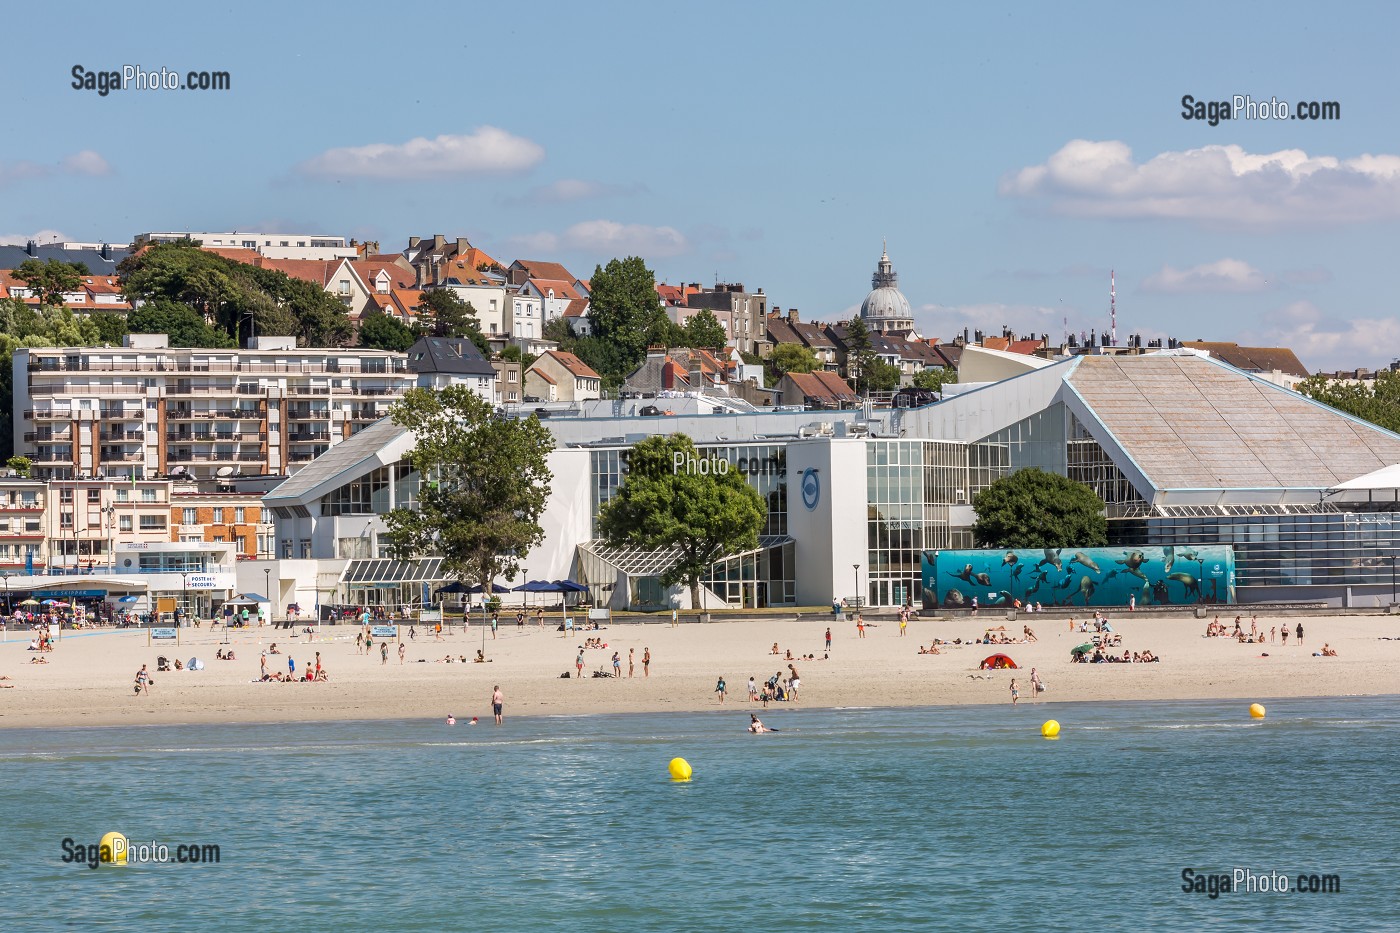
(1090,464)
(1303,548)
(910,487)
(374,493)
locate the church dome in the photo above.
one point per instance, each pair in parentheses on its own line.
(886,309)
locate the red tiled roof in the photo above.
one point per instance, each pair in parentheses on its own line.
(539,269)
(236,253)
(315,271)
(562,288)
(1026,347)
(576,308)
(369,269)
(1252,359)
(822,386)
(576,367)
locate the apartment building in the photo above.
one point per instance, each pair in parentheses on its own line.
(22,535)
(270,245)
(145,409)
(221,517)
(86,518)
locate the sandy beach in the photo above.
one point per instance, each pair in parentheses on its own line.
(88,680)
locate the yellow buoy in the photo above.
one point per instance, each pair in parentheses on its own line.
(1050,729)
(1256,710)
(680,769)
(113,849)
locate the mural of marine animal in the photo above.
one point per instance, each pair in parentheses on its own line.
(1086,589)
(1066,583)
(1132,563)
(1168,558)
(953,597)
(1191,583)
(982,578)
(1009,558)
(1083,560)
(965,575)
(1052,557)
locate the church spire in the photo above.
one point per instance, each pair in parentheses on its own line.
(885,276)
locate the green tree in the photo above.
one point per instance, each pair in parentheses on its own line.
(184,325)
(111,327)
(793,358)
(446,315)
(21,326)
(935,379)
(624,307)
(20,466)
(557,329)
(484,484)
(382,332)
(860,355)
(666,503)
(704,331)
(609,360)
(1378,402)
(1032,508)
(51,279)
(881,376)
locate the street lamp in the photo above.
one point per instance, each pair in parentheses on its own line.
(855,578)
(184,591)
(267,588)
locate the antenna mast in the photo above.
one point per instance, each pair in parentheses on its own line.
(1112,309)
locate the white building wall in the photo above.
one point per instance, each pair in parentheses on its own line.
(566,521)
(830,534)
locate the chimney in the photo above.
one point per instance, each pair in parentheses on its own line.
(106,251)
(462,246)
(413,242)
(439,241)
(31,248)
(792,317)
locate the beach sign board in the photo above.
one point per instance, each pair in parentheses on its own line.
(384,631)
(162,634)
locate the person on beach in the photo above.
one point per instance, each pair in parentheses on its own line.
(359,642)
(721,688)
(828,638)
(263,665)
(631,661)
(794,681)
(753,690)
(495,623)
(646,662)
(903,624)
(402,651)
(617,664)
(1299,633)
(1036,686)
(860,625)
(291,666)
(1273,633)
(143,681)
(383,652)
(675,618)
(578,661)
(1283,631)
(498,700)
(1015,694)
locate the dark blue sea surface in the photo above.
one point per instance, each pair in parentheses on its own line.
(853,820)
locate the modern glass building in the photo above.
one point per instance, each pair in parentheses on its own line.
(1185,451)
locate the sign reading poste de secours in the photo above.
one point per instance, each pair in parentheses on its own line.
(384,631)
(164,634)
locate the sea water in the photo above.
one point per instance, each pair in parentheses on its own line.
(855,819)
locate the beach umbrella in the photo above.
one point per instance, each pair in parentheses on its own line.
(569,586)
(55,602)
(128,599)
(456,587)
(30,602)
(1082,649)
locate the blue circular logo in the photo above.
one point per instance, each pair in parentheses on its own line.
(811,488)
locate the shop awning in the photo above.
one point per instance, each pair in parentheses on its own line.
(380,570)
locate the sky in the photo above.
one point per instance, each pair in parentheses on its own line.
(1010,154)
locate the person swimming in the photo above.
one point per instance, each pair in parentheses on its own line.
(757,727)
(451,721)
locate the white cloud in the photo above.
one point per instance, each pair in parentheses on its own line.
(486,150)
(1224,275)
(1213,185)
(607,237)
(86,162)
(567,190)
(40,236)
(1325,341)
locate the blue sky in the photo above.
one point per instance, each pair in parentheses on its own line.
(1011,154)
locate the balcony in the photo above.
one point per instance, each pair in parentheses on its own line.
(310,390)
(226,414)
(121,414)
(120,436)
(126,457)
(48,436)
(48,414)
(186,456)
(184,437)
(53,456)
(302,437)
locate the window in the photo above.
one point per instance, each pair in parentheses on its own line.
(124,523)
(218,516)
(123,494)
(218,539)
(65,496)
(189,517)
(238,515)
(65,521)
(305,548)
(149,495)
(286,548)
(153,522)
(94,495)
